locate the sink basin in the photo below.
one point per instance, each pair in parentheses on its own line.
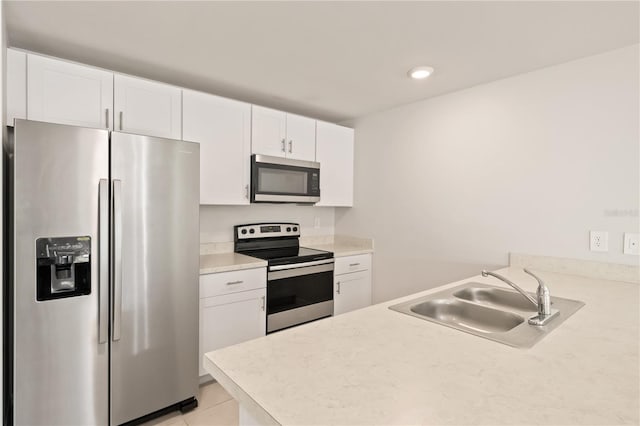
(486,311)
(467,315)
(497,297)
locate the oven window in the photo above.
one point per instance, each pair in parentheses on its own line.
(283,181)
(295,292)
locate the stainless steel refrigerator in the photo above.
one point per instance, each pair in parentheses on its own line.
(103,275)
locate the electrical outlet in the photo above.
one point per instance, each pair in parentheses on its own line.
(599,240)
(631,243)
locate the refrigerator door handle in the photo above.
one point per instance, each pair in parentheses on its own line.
(117,259)
(103,263)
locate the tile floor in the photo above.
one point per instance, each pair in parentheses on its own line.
(215,408)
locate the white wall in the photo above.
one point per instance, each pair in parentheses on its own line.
(527,164)
(216,222)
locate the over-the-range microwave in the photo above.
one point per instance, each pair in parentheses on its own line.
(283,180)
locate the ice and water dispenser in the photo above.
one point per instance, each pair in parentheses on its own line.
(63,267)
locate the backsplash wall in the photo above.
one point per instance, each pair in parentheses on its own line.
(216,222)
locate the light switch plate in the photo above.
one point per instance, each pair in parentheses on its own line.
(631,242)
(599,240)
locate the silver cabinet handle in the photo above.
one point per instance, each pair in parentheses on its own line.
(117,259)
(107,112)
(121,119)
(338,287)
(263,302)
(354,264)
(103,263)
(283,144)
(246,192)
(290,146)
(235,282)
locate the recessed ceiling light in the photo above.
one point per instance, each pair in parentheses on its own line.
(418,73)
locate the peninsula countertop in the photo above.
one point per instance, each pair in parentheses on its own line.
(378,366)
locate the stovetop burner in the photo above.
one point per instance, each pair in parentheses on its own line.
(277,243)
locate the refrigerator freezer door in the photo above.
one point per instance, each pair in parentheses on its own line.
(60,369)
(154,361)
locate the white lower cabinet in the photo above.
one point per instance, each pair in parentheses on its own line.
(232,309)
(352,283)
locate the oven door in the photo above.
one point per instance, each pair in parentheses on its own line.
(281,180)
(297,293)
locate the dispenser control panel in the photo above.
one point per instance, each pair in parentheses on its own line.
(63,267)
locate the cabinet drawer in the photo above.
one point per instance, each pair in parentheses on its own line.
(345,265)
(232,282)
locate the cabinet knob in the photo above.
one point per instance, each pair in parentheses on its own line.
(235,282)
(263,302)
(290,146)
(246,192)
(283,145)
(338,287)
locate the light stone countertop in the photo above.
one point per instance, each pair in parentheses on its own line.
(339,245)
(377,366)
(219,257)
(223,262)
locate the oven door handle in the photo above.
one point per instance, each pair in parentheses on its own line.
(300,272)
(300,265)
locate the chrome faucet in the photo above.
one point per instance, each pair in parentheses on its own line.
(543,302)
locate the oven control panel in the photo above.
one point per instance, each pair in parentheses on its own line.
(266,230)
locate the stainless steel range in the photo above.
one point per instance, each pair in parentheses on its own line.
(299,279)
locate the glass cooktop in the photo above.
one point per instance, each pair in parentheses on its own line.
(286,255)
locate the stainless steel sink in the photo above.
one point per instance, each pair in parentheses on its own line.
(460,314)
(491,312)
(498,297)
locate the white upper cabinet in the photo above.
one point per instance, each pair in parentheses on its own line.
(301,138)
(268,131)
(16,85)
(281,134)
(223,129)
(334,152)
(147,108)
(66,93)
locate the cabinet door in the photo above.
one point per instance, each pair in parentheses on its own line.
(16,85)
(352,291)
(147,108)
(268,128)
(301,138)
(334,152)
(230,319)
(223,129)
(66,93)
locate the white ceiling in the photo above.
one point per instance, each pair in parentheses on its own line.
(330,60)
